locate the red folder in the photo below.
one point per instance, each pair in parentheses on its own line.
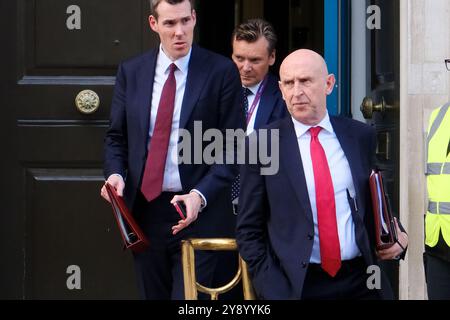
(385,230)
(132,235)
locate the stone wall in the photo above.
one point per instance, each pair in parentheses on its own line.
(425,35)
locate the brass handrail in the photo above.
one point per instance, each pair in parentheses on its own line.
(191,286)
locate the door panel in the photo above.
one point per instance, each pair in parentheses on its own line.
(102,40)
(52,216)
(72,234)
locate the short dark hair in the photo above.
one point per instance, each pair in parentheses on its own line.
(254,29)
(155,3)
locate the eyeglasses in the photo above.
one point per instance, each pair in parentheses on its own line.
(447,64)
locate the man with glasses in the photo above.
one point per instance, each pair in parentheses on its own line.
(437,219)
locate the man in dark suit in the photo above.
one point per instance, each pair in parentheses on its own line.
(306,232)
(172,88)
(254,52)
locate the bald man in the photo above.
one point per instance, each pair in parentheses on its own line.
(306,231)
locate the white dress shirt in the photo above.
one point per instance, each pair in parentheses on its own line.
(251,98)
(342,180)
(172,181)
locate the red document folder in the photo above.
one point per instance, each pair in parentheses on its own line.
(385,230)
(132,235)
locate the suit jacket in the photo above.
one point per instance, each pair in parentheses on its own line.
(275,229)
(272,106)
(212,96)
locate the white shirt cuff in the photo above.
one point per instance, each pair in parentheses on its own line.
(204,203)
(116,174)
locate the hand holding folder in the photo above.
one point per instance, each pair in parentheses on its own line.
(132,235)
(385,229)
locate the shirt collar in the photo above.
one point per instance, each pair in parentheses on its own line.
(301,129)
(254,89)
(181,63)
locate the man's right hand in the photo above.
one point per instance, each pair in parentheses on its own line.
(117,182)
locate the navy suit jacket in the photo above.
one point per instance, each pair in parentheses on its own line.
(275,227)
(212,96)
(272,106)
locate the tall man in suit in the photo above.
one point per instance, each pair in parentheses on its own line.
(173,87)
(306,232)
(254,52)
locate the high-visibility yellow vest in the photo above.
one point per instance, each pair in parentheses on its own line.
(438,177)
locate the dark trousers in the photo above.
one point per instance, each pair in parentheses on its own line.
(438,278)
(159,270)
(227,267)
(349,283)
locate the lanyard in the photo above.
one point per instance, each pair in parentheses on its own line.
(257,98)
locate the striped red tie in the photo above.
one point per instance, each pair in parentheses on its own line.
(330,253)
(157,153)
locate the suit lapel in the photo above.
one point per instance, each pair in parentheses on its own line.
(291,160)
(267,104)
(144,92)
(348,144)
(196,78)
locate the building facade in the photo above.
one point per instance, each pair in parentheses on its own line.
(388,56)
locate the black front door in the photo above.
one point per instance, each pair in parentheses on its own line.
(58,237)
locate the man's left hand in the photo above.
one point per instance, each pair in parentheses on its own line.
(396,250)
(192,202)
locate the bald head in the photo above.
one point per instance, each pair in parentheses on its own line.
(305,56)
(305,84)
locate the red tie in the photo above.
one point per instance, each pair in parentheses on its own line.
(157,152)
(330,253)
